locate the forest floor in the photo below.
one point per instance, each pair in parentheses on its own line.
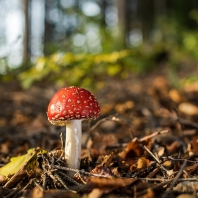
(144,144)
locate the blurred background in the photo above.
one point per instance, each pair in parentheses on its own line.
(139,58)
(73,42)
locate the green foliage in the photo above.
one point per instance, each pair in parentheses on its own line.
(83,69)
(181,45)
(190,43)
(171,43)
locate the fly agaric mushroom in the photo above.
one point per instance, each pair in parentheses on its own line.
(68,107)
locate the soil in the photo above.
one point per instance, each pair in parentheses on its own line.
(144,144)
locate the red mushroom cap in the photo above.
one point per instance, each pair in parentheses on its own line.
(72,103)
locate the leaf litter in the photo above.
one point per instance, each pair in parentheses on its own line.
(144,145)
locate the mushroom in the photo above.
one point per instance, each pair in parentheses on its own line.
(68,107)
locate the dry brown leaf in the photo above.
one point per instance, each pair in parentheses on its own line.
(168,164)
(140,164)
(127,163)
(98,182)
(192,87)
(122,107)
(19,118)
(5,146)
(175,96)
(2,179)
(153,173)
(192,169)
(188,109)
(95,193)
(100,142)
(186,196)
(37,193)
(186,187)
(173,148)
(81,179)
(149,194)
(61,194)
(194,145)
(86,158)
(102,170)
(38,124)
(133,149)
(106,108)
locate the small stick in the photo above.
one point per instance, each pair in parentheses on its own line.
(61,181)
(183,121)
(163,180)
(69,179)
(152,155)
(111,117)
(154,134)
(175,179)
(156,187)
(178,174)
(13,193)
(62,144)
(78,171)
(38,185)
(44,178)
(190,161)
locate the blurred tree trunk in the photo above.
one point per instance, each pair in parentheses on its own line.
(122,20)
(103,6)
(146,9)
(48,30)
(160,8)
(26,41)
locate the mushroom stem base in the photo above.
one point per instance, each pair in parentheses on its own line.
(73,143)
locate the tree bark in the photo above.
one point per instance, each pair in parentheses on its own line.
(26,43)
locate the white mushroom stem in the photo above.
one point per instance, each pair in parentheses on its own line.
(73,143)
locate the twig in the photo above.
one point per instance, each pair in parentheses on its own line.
(111,117)
(175,179)
(178,174)
(163,180)
(183,121)
(78,171)
(190,161)
(12,193)
(44,178)
(161,185)
(38,185)
(154,134)
(153,156)
(69,178)
(61,181)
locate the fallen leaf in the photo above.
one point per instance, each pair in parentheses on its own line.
(186,187)
(18,167)
(194,145)
(175,95)
(133,149)
(102,170)
(142,163)
(95,193)
(188,109)
(149,194)
(98,182)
